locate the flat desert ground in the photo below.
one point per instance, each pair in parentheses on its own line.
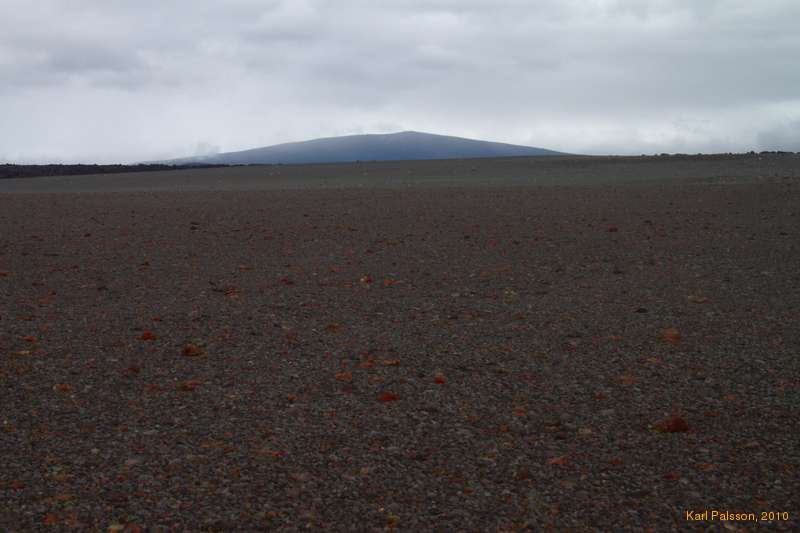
(528,344)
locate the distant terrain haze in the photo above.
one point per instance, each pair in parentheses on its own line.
(402,146)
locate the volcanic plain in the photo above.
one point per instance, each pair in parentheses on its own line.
(521,344)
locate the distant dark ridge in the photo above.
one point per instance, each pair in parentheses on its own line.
(403,146)
(35,171)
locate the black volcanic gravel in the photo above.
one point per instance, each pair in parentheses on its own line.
(418,359)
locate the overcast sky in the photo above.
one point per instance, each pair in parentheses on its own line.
(124,81)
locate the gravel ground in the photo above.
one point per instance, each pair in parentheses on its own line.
(565,358)
(516,171)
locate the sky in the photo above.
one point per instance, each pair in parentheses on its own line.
(126,81)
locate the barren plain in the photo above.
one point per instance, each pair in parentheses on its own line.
(523,344)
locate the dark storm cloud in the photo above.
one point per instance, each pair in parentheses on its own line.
(119,80)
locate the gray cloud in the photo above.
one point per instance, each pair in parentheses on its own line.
(784,137)
(115,80)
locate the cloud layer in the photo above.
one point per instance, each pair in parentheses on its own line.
(112,80)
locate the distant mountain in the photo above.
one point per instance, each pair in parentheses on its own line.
(403,146)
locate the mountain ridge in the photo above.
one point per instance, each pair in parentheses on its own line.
(400,146)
